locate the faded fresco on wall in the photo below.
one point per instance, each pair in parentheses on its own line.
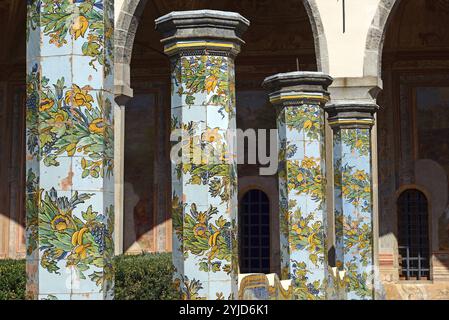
(432,125)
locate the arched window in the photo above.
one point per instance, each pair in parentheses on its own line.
(255,233)
(413,236)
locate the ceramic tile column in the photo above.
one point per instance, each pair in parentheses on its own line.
(69,129)
(353,196)
(299,98)
(202,46)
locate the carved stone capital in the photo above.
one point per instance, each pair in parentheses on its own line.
(351,114)
(297,88)
(202,30)
(353,102)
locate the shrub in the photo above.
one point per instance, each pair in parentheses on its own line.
(142,277)
(12,279)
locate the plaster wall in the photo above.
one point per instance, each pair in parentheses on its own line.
(346,50)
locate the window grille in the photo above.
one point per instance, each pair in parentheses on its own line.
(413,236)
(255,233)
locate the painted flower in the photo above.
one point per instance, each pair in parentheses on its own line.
(79,27)
(97,126)
(360,175)
(359,144)
(46,104)
(297,229)
(60,223)
(80,96)
(308,124)
(212,135)
(60,117)
(59,122)
(354,187)
(200,230)
(300,177)
(308,163)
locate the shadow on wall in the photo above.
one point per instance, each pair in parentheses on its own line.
(12,123)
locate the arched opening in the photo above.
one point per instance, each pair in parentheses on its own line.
(12,128)
(413,136)
(413,236)
(280,39)
(254,232)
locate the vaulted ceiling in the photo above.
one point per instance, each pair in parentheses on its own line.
(419,27)
(279,35)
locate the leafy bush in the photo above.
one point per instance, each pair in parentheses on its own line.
(142,277)
(12,279)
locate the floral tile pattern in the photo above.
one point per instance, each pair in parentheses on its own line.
(302,199)
(353,210)
(69,128)
(205,180)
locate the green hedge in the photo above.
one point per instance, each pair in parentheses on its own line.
(12,279)
(142,277)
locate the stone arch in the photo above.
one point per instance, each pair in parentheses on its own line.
(128,22)
(319,36)
(372,66)
(125,32)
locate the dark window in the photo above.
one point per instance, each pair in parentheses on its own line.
(255,233)
(413,236)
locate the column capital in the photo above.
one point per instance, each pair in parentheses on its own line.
(202,30)
(296,88)
(351,114)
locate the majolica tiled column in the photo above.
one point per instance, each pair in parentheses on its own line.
(300,98)
(69,128)
(353,196)
(202,46)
